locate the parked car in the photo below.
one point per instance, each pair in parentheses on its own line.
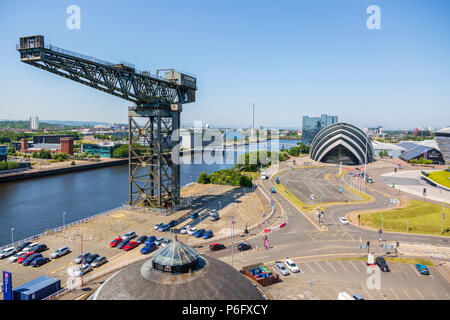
(344,296)
(141,239)
(199,233)
(216,246)
(40,248)
(422,269)
(191,231)
(243,246)
(165,242)
(122,244)
(130,245)
(164,228)
(357,296)
(30,259)
(83,269)
(159,240)
(129,235)
(183,230)
(39,262)
(80,258)
(30,246)
(213,212)
(150,240)
(214,218)
(22,246)
(21,258)
(172,223)
(291,266)
(149,248)
(115,242)
(5,253)
(381,263)
(281,268)
(60,252)
(194,215)
(15,256)
(91,258)
(208,234)
(98,262)
(343,220)
(158,225)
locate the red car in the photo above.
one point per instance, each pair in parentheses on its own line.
(115,242)
(130,245)
(23,257)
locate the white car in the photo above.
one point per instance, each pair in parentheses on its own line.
(60,252)
(159,240)
(165,242)
(291,266)
(191,231)
(14,257)
(28,247)
(184,230)
(129,235)
(7,252)
(156,227)
(343,220)
(82,270)
(213,212)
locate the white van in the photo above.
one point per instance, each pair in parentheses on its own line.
(344,296)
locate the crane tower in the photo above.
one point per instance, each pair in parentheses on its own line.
(153,120)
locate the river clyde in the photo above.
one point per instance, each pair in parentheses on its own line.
(35,205)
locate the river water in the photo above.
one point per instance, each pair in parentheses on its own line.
(35,205)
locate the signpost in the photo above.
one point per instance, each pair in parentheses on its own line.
(7,286)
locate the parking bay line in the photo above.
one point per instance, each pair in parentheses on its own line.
(342,266)
(331,266)
(420,294)
(395,294)
(319,266)
(367,293)
(309,268)
(415,271)
(407,294)
(351,262)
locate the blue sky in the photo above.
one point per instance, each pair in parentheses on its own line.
(291,58)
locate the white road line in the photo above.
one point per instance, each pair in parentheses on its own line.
(320,266)
(407,294)
(380,293)
(415,271)
(343,266)
(368,294)
(396,297)
(431,276)
(404,271)
(331,298)
(354,266)
(434,295)
(420,294)
(331,266)
(310,268)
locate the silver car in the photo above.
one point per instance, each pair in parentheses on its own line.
(7,252)
(281,269)
(60,252)
(98,262)
(80,258)
(165,242)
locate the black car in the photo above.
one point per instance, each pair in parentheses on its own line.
(243,246)
(172,223)
(381,263)
(91,258)
(141,239)
(40,248)
(39,262)
(20,247)
(122,244)
(216,246)
(30,259)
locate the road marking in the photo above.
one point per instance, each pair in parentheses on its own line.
(331,298)
(434,295)
(415,271)
(404,271)
(367,293)
(420,294)
(310,268)
(331,266)
(343,266)
(380,293)
(354,266)
(407,294)
(319,266)
(395,294)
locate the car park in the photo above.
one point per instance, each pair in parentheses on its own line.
(115,242)
(150,240)
(29,247)
(40,248)
(191,231)
(281,269)
(91,258)
(165,242)
(149,248)
(159,240)
(199,233)
(381,263)
(21,258)
(130,245)
(30,259)
(141,239)
(129,235)
(122,244)
(5,253)
(291,266)
(216,246)
(194,215)
(13,258)
(98,262)
(60,252)
(208,234)
(243,246)
(39,262)
(22,246)
(80,258)
(343,220)
(158,225)
(423,269)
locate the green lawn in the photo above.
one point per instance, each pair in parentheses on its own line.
(422,217)
(441,177)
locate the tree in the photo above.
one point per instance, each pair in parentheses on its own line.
(203,178)
(45,154)
(121,152)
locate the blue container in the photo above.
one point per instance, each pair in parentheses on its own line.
(37,289)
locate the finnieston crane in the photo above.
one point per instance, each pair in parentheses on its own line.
(154,119)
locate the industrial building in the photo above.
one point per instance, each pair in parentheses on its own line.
(427,149)
(342,143)
(312,125)
(442,138)
(52,143)
(393,150)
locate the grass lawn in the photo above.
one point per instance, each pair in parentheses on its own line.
(441,177)
(422,217)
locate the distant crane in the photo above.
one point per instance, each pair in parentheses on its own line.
(153,120)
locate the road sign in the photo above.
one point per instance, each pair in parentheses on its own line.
(7,286)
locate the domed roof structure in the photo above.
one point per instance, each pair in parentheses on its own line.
(341,142)
(178,272)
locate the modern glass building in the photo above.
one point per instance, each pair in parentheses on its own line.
(442,138)
(105,150)
(312,125)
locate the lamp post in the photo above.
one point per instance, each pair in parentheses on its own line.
(232,241)
(64,222)
(12,235)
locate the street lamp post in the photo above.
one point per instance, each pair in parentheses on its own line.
(64,222)
(12,235)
